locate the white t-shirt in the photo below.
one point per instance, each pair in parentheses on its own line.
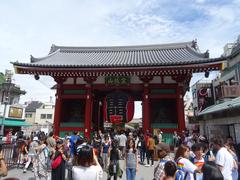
(122,140)
(199,163)
(87,173)
(225,159)
(188,167)
(160,137)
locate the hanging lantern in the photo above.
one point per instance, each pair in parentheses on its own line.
(118,108)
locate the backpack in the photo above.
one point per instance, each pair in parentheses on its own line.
(159,169)
(180,174)
(47,155)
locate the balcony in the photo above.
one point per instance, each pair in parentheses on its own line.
(225,91)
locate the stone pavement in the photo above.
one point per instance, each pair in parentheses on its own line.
(144,173)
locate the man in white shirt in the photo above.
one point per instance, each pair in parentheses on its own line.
(224,159)
(122,144)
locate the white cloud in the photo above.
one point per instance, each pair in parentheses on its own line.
(30,27)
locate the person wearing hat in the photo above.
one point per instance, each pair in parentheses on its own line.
(31,153)
(163,153)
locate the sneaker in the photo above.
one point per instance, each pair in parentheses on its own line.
(24,170)
(147,165)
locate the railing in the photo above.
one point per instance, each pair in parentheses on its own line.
(12,154)
(230,91)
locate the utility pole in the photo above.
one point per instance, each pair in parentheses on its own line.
(6,97)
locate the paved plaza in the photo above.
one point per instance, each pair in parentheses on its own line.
(144,173)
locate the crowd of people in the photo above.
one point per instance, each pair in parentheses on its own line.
(195,158)
(189,156)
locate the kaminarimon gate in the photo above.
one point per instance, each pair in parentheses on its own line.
(97,84)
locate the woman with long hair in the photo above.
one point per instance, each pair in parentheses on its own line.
(131,160)
(87,165)
(39,164)
(184,164)
(114,167)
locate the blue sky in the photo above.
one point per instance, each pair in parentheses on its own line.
(32,26)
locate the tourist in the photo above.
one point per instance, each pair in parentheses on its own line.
(184,164)
(224,159)
(198,160)
(97,142)
(122,143)
(232,151)
(176,139)
(51,142)
(105,152)
(159,136)
(59,161)
(3,166)
(73,140)
(150,150)
(163,150)
(170,170)
(40,162)
(31,153)
(142,148)
(131,160)
(211,171)
(114,167)
(87,166)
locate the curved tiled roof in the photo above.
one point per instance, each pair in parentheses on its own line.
(121,56)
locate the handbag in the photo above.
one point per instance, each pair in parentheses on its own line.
(56,162)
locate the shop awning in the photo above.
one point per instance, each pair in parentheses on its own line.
(231,104)
(15,122)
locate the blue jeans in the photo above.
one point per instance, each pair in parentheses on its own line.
(142,155)
(131,173)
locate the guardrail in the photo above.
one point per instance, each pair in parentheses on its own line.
(12,153)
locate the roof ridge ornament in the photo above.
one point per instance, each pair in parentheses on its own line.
(194,44)
(32,59)
(53,48)
(206,54)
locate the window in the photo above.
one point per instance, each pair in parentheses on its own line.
(28,115)
(43,116)
(49,116)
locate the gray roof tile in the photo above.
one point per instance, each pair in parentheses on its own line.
(33,106)
(120,56)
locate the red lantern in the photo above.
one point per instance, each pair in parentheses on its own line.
(118,108)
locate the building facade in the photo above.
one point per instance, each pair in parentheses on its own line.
(11,112)
(97,84)
(223,118)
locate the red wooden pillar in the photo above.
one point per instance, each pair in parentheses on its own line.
(180,109)
(58,105)
(88,112)
(146,115)
(146,103)
(88,106)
